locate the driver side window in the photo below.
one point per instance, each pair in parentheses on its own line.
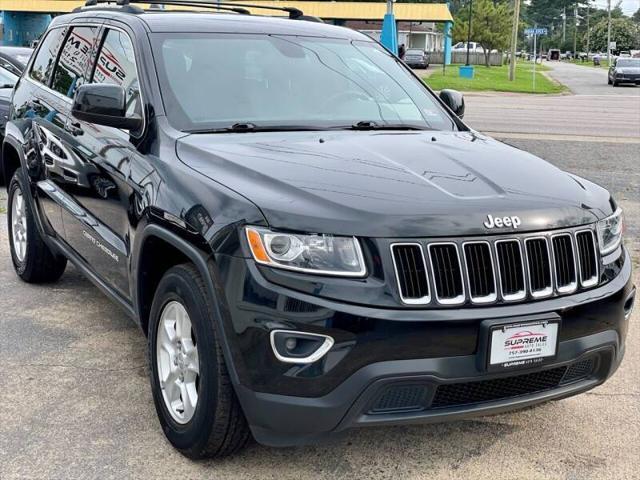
(116,65)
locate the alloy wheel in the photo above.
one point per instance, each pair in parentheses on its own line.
(178,363)
(19,225)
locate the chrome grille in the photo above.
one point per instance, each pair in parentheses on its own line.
(411,272)
(588,259)
(447,273)
(480,276)
(565,263)
(539,267)
(495,269)
(510,269)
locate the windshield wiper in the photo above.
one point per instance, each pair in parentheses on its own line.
(370,125)
(252,127)
(364,125)
(7,85)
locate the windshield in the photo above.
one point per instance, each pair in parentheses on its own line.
(413,51)
(628,62)
(218,81)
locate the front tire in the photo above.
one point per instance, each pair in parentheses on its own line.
(193,395)
(32,259)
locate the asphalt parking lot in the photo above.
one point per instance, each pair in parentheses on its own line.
(76,401)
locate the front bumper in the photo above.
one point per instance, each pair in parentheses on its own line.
(628,78)
(417,64)
(279,420)
(394,367)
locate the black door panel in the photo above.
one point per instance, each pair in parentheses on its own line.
(99,189)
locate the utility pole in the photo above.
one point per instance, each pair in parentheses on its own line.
(514,40)
(469,31)
(575,29)
(609,33)
(588,29)
(564,25)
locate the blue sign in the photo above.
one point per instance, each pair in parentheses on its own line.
(536,31)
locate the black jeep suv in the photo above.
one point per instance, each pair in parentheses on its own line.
(311,239)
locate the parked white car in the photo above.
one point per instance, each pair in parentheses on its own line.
(475,47)
(462,47)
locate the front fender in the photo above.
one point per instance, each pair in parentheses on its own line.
(203,262)
(19,136)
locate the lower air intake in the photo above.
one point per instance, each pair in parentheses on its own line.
(401,398)
(488,390)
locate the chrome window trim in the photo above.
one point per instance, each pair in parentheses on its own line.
(522,294)
(29,67)
(103,28)
(460,299)
(593,280)
(548,290)
(489,298)
(573,286)
(411,301)
(68,27)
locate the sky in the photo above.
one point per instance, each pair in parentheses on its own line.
(629,7)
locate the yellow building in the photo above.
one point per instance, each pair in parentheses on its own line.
(25,20)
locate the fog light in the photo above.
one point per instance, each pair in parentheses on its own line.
(290,343)
(290,346)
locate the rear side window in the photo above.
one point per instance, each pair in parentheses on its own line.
(74,58)
(116,65)
(42,67)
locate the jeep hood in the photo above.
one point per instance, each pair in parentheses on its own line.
(393,184)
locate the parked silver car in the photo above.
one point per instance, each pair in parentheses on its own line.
(625,70)
(416,58)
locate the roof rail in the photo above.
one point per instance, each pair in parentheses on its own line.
(294,13)
(123,7)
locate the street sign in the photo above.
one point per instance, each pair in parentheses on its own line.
(536,31)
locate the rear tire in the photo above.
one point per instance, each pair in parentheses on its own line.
(32,259)
(215,426)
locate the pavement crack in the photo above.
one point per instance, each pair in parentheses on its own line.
(76,367)
(597,394)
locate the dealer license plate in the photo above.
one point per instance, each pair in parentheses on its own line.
(523,344)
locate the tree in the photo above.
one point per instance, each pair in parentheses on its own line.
(490,25)
(623,31)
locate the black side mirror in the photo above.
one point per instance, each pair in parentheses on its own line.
(454,100)
(104,104)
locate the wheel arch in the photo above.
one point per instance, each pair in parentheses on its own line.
(12,158)
(147,274)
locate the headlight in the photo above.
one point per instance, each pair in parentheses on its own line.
(319,254)
(610,232)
